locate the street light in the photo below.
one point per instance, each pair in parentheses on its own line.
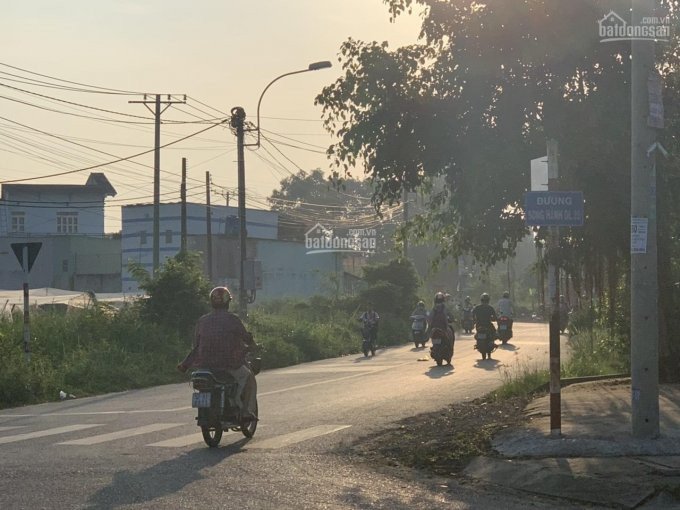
(238,117)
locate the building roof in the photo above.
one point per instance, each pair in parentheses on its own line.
(96,182)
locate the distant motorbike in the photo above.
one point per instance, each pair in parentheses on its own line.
(467,323)
(218,410)
(485,341)
(369,333)
(442,345)
(419,329)
(504,329)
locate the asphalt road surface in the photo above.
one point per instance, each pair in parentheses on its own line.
(142,449)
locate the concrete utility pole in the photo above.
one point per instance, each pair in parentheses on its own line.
(183,193)
(554,297)
(644,331)
(208,226)
(157,111)
(238,117)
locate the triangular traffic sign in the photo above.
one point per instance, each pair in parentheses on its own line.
(33,249)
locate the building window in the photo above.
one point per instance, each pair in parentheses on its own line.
(142,237)
(67,223)
(18,221)
(168,237)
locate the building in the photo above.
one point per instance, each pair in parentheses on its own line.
(68,219)
(137,234)
(55,209)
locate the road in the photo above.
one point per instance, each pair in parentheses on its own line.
(142,449)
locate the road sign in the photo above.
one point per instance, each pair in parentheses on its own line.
(553,208)
(33,249)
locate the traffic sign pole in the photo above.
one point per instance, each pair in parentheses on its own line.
(553,295)
(27,322)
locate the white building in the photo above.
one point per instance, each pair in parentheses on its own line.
(137,231)
(55,209)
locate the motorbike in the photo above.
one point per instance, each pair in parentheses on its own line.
(485,341)
(442,345)
(419,329)
(504,329)
(467,323)
(216,403)
(369,333)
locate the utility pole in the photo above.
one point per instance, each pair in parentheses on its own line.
(157,111)
(238,117)
(208,225)
(183,193)
(644,330)
(554,297)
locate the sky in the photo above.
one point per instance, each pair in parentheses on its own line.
(63,63)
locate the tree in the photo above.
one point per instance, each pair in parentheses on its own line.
(474,101)
(177,293)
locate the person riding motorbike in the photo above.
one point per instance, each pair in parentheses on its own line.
(370,319)
(419,318)
(439,320)
(505,308)
(467,315)
(439,316)
(484,315)
(220,345)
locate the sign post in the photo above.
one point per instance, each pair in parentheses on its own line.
(554,209)
(26,253)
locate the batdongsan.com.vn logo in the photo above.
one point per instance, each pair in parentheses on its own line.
(320,239)
(614,28)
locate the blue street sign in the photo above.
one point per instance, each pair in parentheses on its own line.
(553,208)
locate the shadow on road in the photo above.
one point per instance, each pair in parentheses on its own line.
(487,364)
(437,372)
(508,347)
(168,477)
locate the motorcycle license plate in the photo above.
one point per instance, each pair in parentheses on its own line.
(200,399)
(436,341)
(503,327)
(481,336)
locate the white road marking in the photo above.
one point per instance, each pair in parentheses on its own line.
(181,441)
(316,383)
(47,432)
(103,438)
(2,429)
(97,413)
(325,369)
(370,371)
(296,437)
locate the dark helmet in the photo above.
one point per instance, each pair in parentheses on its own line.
(220,297)
(439,297)
(485,298)
(506,294)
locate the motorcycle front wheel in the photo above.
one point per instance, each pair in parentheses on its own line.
(248,427)
(211,435)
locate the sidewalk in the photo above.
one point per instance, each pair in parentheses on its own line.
(596,461)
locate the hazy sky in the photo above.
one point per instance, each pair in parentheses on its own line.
(220,53)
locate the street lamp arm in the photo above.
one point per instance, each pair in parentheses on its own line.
(312,67)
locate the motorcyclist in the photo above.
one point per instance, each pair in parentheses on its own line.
(484,315)
(505,308)
(370,319)
(220,345)
(420,310)
(439,316)
(467,314)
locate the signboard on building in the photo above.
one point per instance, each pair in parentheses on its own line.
(553,208)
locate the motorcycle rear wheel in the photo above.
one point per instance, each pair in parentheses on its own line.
(248,427)
(211,435)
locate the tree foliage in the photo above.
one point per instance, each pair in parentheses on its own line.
(177,293)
